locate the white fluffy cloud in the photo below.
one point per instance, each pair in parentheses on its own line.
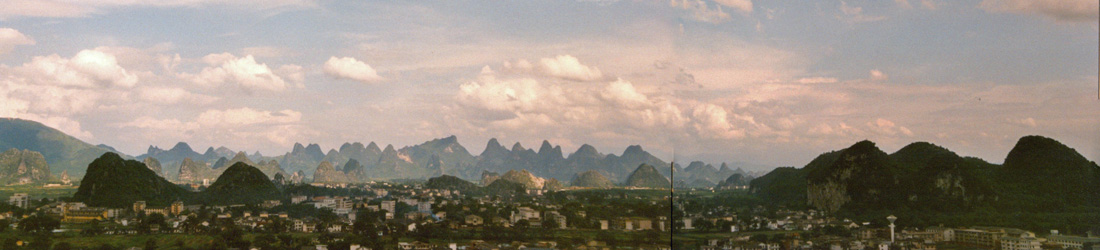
(877,75)
(86,69)
(556,106)
(713,120)
(9,38)
(1061,10)
(562,66)
(622,93)
(351,68)
(887,127)
(244,72)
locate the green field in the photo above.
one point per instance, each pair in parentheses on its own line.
(38,191)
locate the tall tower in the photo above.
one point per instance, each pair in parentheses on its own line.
(891,218)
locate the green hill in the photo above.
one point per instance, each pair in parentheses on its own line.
(451,183)
(241,184)
(61,151)
(111,181)
(646,176)
(591,178)
(1050,175)
(1041,178)
(22,167)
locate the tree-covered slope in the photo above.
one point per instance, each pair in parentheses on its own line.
(61,151)
(111,181)
(241,184)
(646,176)
(592,179)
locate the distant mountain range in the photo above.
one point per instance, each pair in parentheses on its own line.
(429,159)
(437,157)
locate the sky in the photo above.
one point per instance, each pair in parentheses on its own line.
(760,83)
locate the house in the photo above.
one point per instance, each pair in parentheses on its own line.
(1020,241)
(556,217)
(525,213)
(474,220)
(1073,242)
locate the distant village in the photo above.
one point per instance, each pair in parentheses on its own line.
(789,229)
(402,209)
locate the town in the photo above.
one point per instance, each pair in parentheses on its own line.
(360,216)
(410,216)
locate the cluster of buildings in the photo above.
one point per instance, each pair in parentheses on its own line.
(864,237)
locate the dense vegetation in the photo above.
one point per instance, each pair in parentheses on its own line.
(1043,184)
(451,183)
(114,182)
(647,176)
(591,178)
(23,166)
(241,184)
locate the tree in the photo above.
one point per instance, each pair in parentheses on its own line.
(759,238)
(550,224)
(41,242)
(39,223)
(522,225)
(151,244)
(153,220)
(63,246)
(705,225)
(93,228)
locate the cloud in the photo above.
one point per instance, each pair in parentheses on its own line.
(568,67)
(741,5)
(816,80)
(350,68)
(1060,10)
(86,69)
(171,95)
(509,95)
(887,127)
(713,120)
(543,106)
(623,94)
(81,8)
(244,72)
(49,108)
(235,128)
(247,116)
(929,4)
(9,38)
(701,12)
(1026,122)
(562,67)
(877,75)
(904,4)
(854,14)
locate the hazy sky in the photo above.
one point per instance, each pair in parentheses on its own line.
(768,82)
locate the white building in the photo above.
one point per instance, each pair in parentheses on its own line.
(20,200)
(1020,241)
